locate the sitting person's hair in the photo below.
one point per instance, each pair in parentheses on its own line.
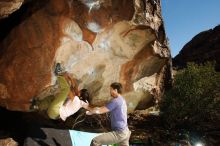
(84,95)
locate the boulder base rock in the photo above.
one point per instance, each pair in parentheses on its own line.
(9,6)
(8,142)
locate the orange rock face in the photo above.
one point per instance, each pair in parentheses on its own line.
(27,57)
(99,42)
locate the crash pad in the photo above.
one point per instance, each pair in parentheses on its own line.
(58,137)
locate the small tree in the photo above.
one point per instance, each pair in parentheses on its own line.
(194,98)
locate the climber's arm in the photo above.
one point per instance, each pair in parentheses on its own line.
(73,84)
(97,110)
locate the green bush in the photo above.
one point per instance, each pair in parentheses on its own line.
(194,97)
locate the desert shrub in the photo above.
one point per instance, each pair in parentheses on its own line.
(194,97)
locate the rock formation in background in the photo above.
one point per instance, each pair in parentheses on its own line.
(99,42)
(203,47)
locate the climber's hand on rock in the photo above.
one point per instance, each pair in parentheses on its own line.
(88,113)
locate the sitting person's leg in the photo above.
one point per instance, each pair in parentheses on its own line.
(54,107)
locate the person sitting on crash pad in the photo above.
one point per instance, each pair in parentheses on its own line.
(67,101)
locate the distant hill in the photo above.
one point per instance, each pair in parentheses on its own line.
(205,46)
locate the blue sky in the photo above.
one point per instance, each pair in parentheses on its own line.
(185,18)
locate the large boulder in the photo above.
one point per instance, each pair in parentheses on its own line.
(99,42)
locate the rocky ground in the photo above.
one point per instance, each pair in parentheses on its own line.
(148,129)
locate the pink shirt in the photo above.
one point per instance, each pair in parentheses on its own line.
(70,107)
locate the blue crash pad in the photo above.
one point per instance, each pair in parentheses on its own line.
(80,138)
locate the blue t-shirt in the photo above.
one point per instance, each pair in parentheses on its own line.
(118,113)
